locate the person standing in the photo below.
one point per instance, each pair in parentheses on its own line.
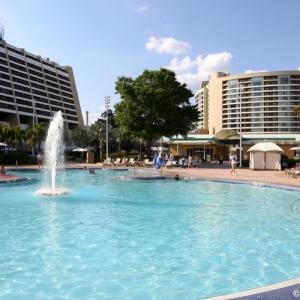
(216,160)
(166,157)
(233,161)
(40,159)
(221,160)
(171,159)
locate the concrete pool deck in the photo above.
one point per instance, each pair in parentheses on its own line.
(284,290)
(207,171)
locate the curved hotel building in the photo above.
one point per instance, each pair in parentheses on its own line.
(256,105)
(32,89)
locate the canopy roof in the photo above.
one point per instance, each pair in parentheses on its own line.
(227,136)
(265,146)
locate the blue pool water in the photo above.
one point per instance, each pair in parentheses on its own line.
(123,239)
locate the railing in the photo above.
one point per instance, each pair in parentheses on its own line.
(291,205)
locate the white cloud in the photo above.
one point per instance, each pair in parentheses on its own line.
(220,62)
(141,9)
(167,45)
(252,71)
(181,65)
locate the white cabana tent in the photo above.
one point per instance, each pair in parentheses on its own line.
(265,155)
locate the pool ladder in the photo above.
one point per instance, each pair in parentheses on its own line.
(291,205)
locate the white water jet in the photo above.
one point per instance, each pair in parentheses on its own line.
(54,158)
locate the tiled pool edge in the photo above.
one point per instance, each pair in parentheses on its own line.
(280,291)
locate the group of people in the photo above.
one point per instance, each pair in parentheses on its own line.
(192,161)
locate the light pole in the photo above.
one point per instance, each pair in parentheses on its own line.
(107,103)
(240,89)
(33,108)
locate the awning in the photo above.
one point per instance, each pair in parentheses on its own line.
(226,134)
(189,142)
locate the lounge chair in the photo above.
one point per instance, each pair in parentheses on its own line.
(174,163)
(124,162)
(150,164)
(161,162)
(131,162)
(168,164)
(145,162)
(117,162)
(107,162)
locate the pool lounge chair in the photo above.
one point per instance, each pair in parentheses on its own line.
(131,162)
(150,164)
(107,162)
(117,162)
(145,162)
(161,162)
(168,164)
(174,163)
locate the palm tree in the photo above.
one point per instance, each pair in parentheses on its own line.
(17,135)
(36,134)
(4,132)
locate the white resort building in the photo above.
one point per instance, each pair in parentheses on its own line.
(32,89)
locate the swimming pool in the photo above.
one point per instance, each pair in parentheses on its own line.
(112,238)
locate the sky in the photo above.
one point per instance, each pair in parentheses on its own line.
(103,40)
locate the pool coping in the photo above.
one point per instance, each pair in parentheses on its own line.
(289,289)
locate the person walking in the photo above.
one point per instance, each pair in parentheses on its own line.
(233,161)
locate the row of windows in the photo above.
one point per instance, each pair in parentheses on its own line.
(19,61)
(21,88)
(7,106)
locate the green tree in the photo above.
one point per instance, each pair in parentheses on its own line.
(80,137)
(36,134)
(5,133)
(154,104)
(17,135)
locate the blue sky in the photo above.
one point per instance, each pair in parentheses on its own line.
(102,40)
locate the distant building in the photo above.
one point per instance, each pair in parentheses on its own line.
(32,89)
(256,105)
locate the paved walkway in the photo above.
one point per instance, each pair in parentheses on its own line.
(207,171)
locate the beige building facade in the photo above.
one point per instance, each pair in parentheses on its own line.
(256,106)
(32,89)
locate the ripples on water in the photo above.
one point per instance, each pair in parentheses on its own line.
(112,238)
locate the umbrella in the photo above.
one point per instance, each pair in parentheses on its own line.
(2,144)
(80,150)
(155,161)
(159,149)
(295,148)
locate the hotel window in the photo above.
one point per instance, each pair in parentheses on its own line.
(284,79)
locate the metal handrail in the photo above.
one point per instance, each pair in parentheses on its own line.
(291,209)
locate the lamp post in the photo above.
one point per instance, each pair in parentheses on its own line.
(240,89)
(33,108)
(107,103)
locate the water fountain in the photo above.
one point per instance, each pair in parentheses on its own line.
(54,158)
